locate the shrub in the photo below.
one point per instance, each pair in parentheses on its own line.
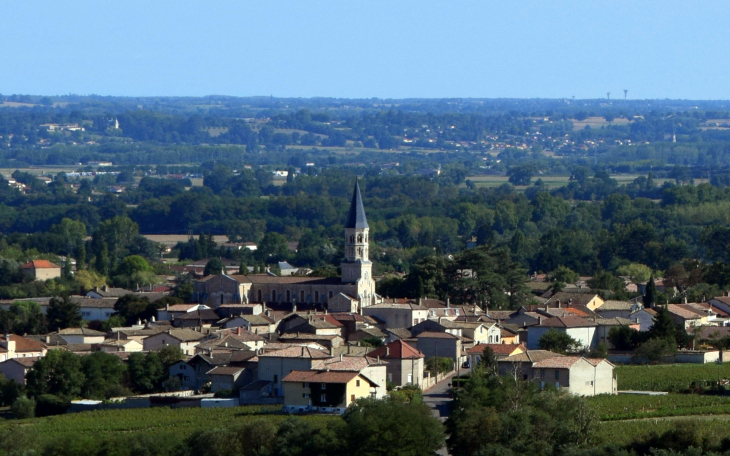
(23,408)
(48,404)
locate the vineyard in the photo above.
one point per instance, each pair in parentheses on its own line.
(164,423)
(624,407)
(669,377)
(714,429)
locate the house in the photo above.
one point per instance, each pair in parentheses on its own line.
(404,364)
(81,336)
(193,372)
(367,333)
(500,351)
(108,292)
(275,365)
(231,340)
(324,391)
(185,339)
(588,299)
(94,308)
(121,345)
(258,324)
(397,315)
(481,332)
(231,310)
(574,374)
(686,316)
(196,318)
(41,270)
(175,310)
(581,329)
(226,378)
(439,344)
(623,309)
(16,368)
(371,367)
(509,335)
(325,340)
(606,324)
(644,317)
(14,346)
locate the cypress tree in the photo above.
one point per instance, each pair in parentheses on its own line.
(650,292)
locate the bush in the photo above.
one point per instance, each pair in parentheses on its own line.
(23,408)
(223,393)
(48,404)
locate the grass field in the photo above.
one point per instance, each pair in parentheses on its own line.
(668,377)
(713,429)
(174,423)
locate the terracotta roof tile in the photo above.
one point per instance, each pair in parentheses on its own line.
(320,376)
(396,350)
(40,264)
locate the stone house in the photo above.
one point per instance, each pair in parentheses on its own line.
(404,363)
(185,339)
(41,270)
(324,391)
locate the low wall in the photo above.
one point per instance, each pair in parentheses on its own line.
(429,380)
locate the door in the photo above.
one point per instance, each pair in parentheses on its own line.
(410,378)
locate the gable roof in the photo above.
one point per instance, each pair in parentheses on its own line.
(436,335)
(183,335)
(685,312)
(23,344)
(531,356)
(557,362)
(615,305)
(498,349)
(568,322)
(40,264)
(323,377)
(225,370)
(356,216)
(296,352)
(80,332)
(396,350)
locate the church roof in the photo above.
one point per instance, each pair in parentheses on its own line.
(356,217)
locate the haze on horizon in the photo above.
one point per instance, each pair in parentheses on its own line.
(407,49)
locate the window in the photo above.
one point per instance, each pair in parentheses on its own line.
(276,378)
(331,295)
(301,296)
(323,397)
(316,296)
(305,385)
(324,386)
(260,296)
(557,374)
(305,395)
(352,398)
(182,367)
(352,239)
(288,296)
(542,373)
(357,383)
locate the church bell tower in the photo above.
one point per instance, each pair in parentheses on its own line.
(356,267)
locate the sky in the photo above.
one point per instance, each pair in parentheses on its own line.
(363,49)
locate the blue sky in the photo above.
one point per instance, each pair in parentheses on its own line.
(362,49)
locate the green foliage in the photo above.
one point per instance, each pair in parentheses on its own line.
(23,407)
(650,294)
(669,377)
(380,427)
(214,267)
(62,313)
(558,342)
(103,373)
(438,365)
(58,373)
(638,273)
(407,393)
(624,337)
(564,275)
(133,307)
(631,407)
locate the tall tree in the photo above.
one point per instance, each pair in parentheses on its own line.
(62,313)
(650,293)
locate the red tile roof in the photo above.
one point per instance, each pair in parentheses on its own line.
(498,349)
(40,264)
(396,350)
(436,335)
(560,362)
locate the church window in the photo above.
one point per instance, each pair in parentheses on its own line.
(288,296)
(352,239)
(260,296)
(359,251)
(359,239)
(316,296)
(301,296)
(331,294)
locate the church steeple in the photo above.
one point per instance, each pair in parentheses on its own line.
(356,217)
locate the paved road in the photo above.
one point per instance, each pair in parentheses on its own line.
(439,399)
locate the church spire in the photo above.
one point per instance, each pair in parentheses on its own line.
(356,217)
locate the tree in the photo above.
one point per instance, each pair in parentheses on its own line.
(564,275)
(146,372)
(133,307)
(489,361)
(380,427)
(663,327)
(650,293)
(655,350)
(623,337)
(58,373)
(103,372)
(638,273)
(88,280)
(214,267)
(558,342)
(62,313)
(521,174)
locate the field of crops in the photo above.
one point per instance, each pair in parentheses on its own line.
(711,429)
(625,406)
(173,424)
(669,377)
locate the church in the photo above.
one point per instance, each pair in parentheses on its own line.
(349,293)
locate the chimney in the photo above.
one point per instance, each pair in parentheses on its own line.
(378,359)
(48,339)
(559,304)
(420,301)
(340,357)
(570,302)
(539,320)
(387,351)
(167,307)
(105,288)
(238,331)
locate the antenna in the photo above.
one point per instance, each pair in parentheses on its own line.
(626,92)
(608,95)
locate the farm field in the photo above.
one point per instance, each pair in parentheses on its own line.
(711,428)
(552,181)
(175,424)
(668,377)
(629,406)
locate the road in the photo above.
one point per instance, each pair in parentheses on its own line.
(439,399)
